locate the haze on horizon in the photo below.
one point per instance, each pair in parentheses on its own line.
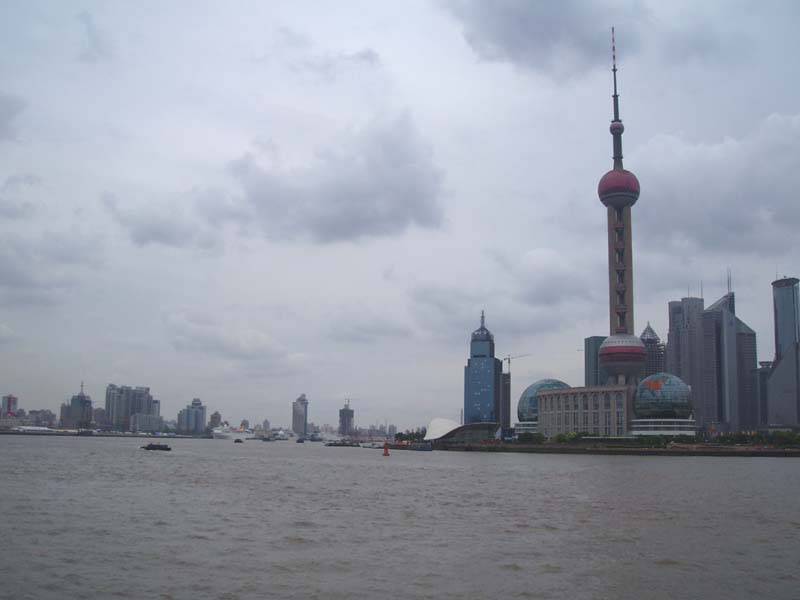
(249,201)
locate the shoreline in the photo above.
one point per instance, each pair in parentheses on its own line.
(726,451)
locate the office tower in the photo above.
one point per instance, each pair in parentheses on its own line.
(685,345)
(346,420)
(783,385)
(505,401)
(300,415)
(122,402)
(10,405)
(762,378)
(656,352)
(215,420)
(77,413)
(593,373)
(622,354)
(730,387)
(483,394)
(192,419)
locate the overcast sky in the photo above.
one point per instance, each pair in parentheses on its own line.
(246,201)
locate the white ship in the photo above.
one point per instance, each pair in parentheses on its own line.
(221,433)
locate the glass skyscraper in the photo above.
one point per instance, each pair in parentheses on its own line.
(483,393)
(783,386)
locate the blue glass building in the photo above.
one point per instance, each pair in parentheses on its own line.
(483,388)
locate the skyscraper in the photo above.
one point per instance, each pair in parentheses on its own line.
(593,374)
(783,385)
(483,393)
(655,351)
(300,415)
(77,413)
(122,402)
(192,419)
(10,404)
(622,354)
(685,345)
(346,420)
(729,398)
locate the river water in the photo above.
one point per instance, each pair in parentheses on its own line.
(100,518)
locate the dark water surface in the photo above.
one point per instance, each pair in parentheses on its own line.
(99,518)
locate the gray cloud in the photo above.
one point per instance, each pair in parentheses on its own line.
(155,224)
(374,182)
(329,65)
(196,333)
(737,196)
(10,107)
(363,326)
(17,208)
(560,38)
(7,334)
(98,45)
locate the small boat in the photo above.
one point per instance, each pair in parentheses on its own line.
(238,441)
(164,447)
(301,440)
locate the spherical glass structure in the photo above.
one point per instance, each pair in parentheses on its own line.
(663,396)
(528,407)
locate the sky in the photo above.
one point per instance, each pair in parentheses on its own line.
(246,201)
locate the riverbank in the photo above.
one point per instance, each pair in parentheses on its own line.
(675,450)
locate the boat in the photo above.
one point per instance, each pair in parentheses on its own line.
(221,433)
(343,444)
(152,446)
(238,441)
(300,440)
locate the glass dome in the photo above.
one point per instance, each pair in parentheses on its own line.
(663,396)
(528,407)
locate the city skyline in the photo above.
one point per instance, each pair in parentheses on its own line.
(142,242)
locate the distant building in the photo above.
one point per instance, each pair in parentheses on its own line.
(42,418)
(192,419)
(783,385)
(215,420)
(77,413)
(266,425)
(685,346)
(483,394)
(593,373)
(99,416)
(123,401)
(300,415)
(729,396)
(346,427)
(762,377)
(146,423)
(391,430)
(10,405)
(505,403)
(656,352)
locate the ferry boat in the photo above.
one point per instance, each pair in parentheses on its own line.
(152,446)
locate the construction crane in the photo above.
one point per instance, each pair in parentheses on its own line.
(508,358)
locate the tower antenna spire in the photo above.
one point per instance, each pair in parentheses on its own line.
(483,320)
(616,125)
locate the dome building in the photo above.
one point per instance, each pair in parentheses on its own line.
(528,406)
(663,406)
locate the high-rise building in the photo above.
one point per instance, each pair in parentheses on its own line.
(300,415)
(123,401)
(215,420)
(656,352)
(483,394)
(192,419)
(622,354)
(77,413)
(346,414)
(783,385)
(729,399)
(593,373)
(10,405)
(762,377)
(685,345)
(505,401)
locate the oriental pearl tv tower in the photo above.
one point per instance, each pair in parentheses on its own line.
(622,354)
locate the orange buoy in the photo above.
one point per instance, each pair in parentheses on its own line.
(386,448)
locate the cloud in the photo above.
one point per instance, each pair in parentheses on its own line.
(155,224)
(16,208)
(362,326)
(98,45)
(195,333)
(7,335)
(10,108)
(330,65)
(736,196)
(377,181)
(556,38)
(550,278)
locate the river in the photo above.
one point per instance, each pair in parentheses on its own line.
(100,518)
